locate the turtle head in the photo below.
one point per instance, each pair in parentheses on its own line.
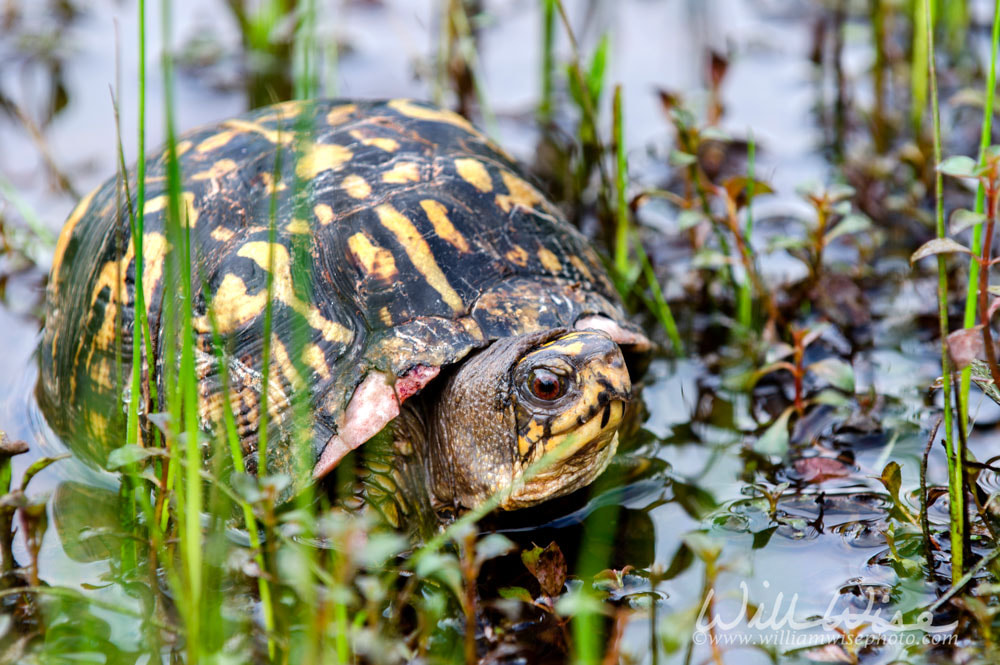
(539,412)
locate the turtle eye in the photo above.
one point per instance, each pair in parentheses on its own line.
(546,385)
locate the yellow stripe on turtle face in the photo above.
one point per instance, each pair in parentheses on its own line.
(374,260)
(356,186)
(411,110)
(65,235)
(420,254)
(402,173)
(473,172)
(438,214)
(258,252)
(321,157)
(520,193)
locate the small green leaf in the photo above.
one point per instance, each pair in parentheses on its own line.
(892,478)
(835,372)
(704,546)
(131,454)
(982,377)
(690,218)
(715,134)
(774,440)
(853,223)
(839,192)
(515,593)
(958,167)
(962,219)
(577,602)
(679,158)
(938,246)
(595,74)
(493,546)
(710,259)
(786,242)
(380,547)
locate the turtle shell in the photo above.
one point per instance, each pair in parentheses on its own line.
(402,238)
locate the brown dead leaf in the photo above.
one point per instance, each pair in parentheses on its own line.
(548,566)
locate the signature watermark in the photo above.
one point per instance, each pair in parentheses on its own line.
(780,623)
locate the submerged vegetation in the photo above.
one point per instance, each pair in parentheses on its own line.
(823,398)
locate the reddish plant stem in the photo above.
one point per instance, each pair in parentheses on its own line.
(984,277)
(797,337)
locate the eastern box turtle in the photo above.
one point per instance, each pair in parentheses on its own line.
(435,286)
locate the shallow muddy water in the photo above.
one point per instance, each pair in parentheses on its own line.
(824,547)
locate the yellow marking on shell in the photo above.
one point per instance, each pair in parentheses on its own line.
(401,173)
(160,203)
(438,214)
(216,141)
(300,226)
(113,276)
(582,267)
(65,235)
(381,142)
(154,250)
(272,135)
(233,306)
(549,260)
(519,193)
(316,359)
(411,110)
(281,360)
(517,255)
(217,170)
(100,373)
(338,115)
(374,260)
(258,251)
(385,316)
(420,254)
(183,147)
(282,111)
(268,181)
(321,157)
(474,172)
(324,213)
(356,186)
(222,234)
(97,424)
